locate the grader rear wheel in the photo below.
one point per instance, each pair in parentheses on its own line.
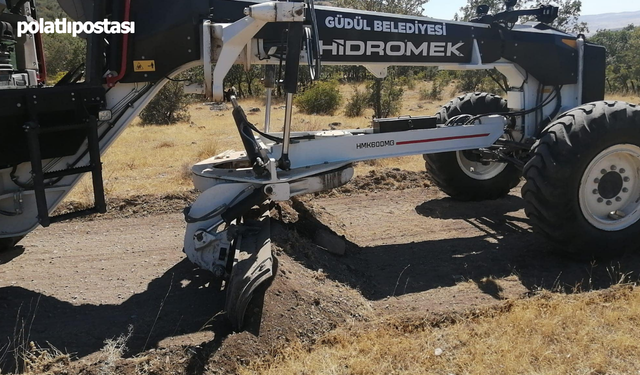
(583,181)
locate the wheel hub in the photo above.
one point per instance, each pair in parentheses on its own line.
(610,185)
(476,168)
(610,188)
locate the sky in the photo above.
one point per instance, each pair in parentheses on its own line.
(445,9)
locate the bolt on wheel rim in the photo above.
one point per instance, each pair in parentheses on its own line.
(610,188)
(477,170)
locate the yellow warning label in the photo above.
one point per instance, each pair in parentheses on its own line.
(144,65)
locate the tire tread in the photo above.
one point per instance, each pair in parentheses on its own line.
(555,169)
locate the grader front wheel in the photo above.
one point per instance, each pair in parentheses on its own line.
(459,173)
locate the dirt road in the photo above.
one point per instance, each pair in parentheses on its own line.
(76,284)
(410,251)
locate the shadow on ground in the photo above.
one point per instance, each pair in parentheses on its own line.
(507,247)
(7,255)
(181,301)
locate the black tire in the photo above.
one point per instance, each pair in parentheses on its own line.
(563,164)
(444,168)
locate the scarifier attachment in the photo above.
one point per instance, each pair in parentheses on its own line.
(253,266)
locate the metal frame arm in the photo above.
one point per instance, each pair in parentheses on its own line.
(227,41)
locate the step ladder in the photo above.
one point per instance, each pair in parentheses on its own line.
(34,131)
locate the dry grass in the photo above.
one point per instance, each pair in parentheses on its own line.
(44,361)
(592,333)
(625,98)
(112,352)
(151,159)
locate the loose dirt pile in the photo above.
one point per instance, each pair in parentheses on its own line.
(135,206)
(383,179)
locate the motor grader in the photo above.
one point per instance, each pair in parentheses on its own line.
(579,155)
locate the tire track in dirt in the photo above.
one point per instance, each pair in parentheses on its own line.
(416,250)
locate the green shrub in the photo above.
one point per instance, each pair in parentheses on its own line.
(407,81)
(428,73)
(479,80)
(434,92)
(386,96)
(63,52)
(168,107)
(357,104)
(321,98)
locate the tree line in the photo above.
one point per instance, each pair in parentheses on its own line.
(623,58)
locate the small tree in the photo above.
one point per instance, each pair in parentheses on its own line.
(386,95)
(168,107)
(437,85)
(356,104)
(322,98)
(63,52)
(623,62)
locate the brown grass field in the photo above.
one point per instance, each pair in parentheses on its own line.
(551,333)
(592,333)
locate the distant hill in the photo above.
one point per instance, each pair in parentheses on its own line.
(611,21)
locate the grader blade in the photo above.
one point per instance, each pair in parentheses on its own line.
(253,266)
